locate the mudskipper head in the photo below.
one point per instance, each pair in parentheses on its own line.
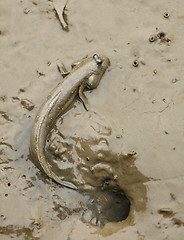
(102,64)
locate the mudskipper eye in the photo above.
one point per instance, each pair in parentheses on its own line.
(97,59)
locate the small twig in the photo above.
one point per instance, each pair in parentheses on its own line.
(61,15)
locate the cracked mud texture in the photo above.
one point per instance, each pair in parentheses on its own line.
(143,106)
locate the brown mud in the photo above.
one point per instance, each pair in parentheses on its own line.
(125,154)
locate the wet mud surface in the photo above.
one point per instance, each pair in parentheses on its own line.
(125,155)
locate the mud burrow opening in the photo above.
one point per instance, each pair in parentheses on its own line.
(105,206)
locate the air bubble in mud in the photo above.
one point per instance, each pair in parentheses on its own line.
(135,63)
(152,38)
(105,206)
(166,15)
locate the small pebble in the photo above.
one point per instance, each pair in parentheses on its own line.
(21,90)
(94,221)
(15,99)
(172,196)
(26,11)
(3,98)
(40,73)
(161,35)
(174,80)
(3,217)
(27,104)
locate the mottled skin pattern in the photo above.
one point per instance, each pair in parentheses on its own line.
(85,74)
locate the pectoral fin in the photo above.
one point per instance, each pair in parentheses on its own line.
(62,69)
(83,97)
